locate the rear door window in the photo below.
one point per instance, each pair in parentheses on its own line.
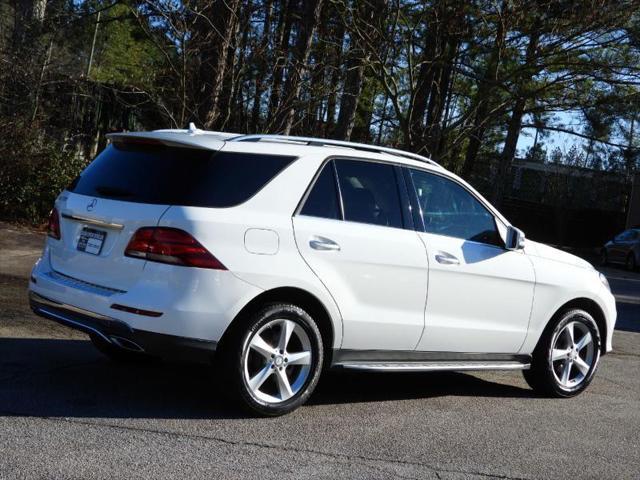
(160,174)
(369,192)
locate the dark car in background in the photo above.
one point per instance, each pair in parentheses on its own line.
(624,249)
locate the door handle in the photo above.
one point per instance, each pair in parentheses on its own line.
(446,259)
(322,243)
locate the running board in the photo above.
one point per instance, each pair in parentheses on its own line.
(432,366)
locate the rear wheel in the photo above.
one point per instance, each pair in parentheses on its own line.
(566,358)
(117,354)
(273,362)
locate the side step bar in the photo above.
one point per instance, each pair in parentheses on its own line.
(433,366)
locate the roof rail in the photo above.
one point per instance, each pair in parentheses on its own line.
(321,142)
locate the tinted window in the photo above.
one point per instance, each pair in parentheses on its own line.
(369,193)
(448,209)
(624,236)
(323,198)
(177,176)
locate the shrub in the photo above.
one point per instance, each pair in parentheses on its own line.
(32,174)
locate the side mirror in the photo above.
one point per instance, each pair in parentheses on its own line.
(515,238)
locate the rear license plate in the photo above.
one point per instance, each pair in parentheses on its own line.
(91,241)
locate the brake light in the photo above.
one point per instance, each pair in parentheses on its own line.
(53,227)
(170,245)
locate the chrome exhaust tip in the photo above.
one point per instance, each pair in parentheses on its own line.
(126,344)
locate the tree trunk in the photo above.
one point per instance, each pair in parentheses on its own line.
(438,98)
(482,98)
(322,65)
(283,36)
(515,123)
(301,50)
(364,114)
(28,14)
(214,31)
(261,70)
(234,113)
(423,86)
(338,40)
(349,100)
(234,61)
(357,59)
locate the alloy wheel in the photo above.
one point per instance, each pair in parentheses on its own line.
(277,361)
(573,354)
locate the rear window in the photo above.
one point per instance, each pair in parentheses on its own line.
(177,176)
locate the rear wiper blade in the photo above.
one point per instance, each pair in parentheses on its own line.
(113,191)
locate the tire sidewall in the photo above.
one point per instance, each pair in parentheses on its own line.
(568,317)
(630,264)
(255,323)
(604,258)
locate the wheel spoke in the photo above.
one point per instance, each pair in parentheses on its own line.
(299,358)
(559,354)
(582,365)
(283,384)
(566,372)
(584,341)
(569,330)
(256,382)
(287,327)
(263,348)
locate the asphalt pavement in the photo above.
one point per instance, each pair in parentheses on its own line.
(68,412)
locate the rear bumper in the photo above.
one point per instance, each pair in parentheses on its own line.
(194,303)
(121,334)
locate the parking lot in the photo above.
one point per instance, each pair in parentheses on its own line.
(67,412)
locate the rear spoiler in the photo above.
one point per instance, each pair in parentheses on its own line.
(171,138)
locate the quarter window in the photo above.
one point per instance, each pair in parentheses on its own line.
(369,193)
(323,198)
(448,209)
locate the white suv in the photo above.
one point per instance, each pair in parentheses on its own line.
(278,257)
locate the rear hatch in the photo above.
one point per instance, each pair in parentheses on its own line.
(128,186)
(131,184)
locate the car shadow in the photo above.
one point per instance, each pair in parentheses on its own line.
(360,387)
(69,378)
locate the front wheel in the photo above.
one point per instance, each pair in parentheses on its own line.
(274,361)
(567,355)
(604,258)
(630,263)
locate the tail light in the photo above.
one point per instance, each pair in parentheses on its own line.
(53,227)
(170,245)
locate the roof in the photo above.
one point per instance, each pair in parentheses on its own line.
(210,140)
(290,145)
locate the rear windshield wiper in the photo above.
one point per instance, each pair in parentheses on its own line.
(114,192)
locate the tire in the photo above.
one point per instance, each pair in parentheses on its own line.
(547,376)
(117,354)
(604,257)
(630,262)
(257,371)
